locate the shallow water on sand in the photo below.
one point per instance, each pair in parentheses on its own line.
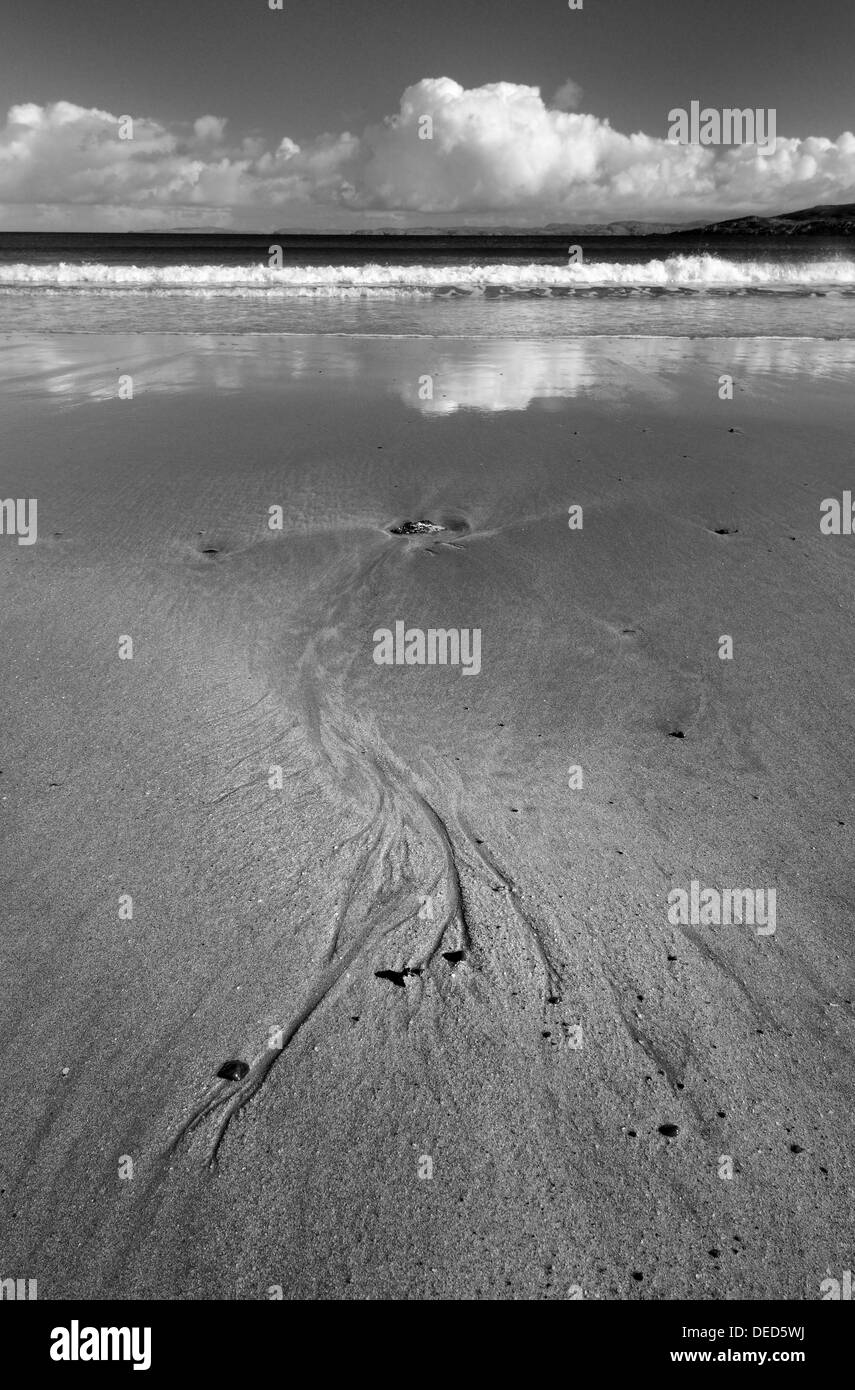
(303,906)
(809,311)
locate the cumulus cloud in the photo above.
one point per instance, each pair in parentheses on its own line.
(497,153)
(568,96)
(209,128)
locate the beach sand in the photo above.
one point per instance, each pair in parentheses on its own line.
(535,1072)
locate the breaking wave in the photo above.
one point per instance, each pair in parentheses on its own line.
(673,273)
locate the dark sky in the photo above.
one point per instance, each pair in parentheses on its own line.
(337,64)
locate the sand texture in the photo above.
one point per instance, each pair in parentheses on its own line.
(291,818)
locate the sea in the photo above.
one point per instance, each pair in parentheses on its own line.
(446,285)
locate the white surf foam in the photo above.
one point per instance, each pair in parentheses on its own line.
(373,280)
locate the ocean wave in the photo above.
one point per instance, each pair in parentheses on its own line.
(673,273)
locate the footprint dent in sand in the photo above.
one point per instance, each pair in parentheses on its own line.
(415,528)
(452,523)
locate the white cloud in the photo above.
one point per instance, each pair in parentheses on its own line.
(497,153)
(568,97)
(210,128)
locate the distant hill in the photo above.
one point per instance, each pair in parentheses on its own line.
(551,229)
(828,219)
(630,228)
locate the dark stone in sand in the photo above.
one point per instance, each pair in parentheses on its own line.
(415,528)
(397,976)
(453,956)
(668,1130)
(233,1071)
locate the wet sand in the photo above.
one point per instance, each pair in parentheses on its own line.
(425,814)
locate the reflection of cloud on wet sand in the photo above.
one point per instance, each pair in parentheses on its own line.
(501,376)
(88,367)
(509,376)
(437,377)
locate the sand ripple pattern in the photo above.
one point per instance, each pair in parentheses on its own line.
(380,892)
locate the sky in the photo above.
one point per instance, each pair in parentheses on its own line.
(247,117)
